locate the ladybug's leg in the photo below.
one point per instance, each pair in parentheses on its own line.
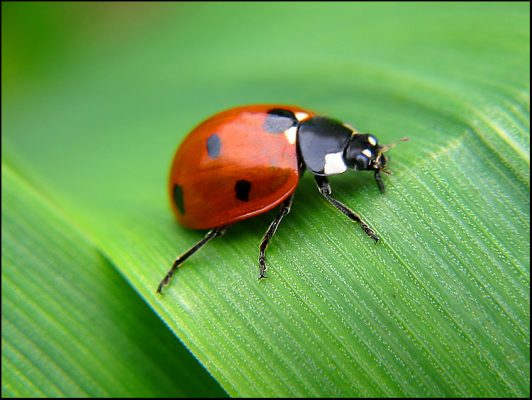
(325,190)
(285,209)
(378,178)
(179,260)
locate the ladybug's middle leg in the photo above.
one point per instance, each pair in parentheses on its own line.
(285,209)
(325,190)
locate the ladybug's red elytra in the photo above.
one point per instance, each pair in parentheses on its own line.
(247,160)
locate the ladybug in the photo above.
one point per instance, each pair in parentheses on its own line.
(248,160)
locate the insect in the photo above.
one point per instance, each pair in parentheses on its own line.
(248,160)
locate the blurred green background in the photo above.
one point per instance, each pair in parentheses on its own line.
(97,96)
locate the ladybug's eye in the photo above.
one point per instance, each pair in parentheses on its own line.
(362,161)
(360,153)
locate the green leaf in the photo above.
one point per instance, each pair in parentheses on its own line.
(71,327)
(440,307)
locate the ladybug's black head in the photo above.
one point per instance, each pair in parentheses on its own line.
(363,153)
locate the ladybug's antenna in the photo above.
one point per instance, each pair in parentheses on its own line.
(384,148)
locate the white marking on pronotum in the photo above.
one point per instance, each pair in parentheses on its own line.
(291,134)
(372,140)
(367,153)
(301,115)
(334,164)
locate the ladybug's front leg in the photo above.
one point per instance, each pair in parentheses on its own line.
(325,190)
(285,209)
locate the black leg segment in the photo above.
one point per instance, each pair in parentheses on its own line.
(179,260)
(325,190)
(379,181)
(285,209)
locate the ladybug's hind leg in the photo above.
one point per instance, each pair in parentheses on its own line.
(325,190)
(179,260)
(285,209)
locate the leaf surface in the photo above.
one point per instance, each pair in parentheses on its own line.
(440,307)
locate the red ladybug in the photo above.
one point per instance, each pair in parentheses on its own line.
(247,160)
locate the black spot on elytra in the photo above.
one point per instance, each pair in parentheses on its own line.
(213,145)
(178,198)
(242,189)
(279,120)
